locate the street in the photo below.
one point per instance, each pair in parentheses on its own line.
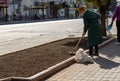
(61,28)
(16,37)
(21,36)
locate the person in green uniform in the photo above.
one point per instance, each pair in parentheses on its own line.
(92,25)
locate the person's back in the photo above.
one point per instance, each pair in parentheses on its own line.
(91,17)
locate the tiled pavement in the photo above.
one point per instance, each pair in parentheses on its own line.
(105,68)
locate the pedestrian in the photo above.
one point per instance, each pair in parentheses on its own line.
(116,16)
(92,25)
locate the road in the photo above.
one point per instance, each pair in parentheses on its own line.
(23,31)
(16,37)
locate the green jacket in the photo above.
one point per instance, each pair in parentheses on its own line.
(92,25)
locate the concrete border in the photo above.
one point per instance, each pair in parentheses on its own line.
(52,70)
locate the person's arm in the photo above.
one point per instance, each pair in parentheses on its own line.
(98,16)
(85,25)
(114,15)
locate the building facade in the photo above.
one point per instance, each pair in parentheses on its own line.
(16,9)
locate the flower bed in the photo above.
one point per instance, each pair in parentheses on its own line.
(28,62)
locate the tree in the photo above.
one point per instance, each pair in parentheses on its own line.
(103,6)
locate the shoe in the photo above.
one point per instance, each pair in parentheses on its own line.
(91,55)
(96,54)
(118,43)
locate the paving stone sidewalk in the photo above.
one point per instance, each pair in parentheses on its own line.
(105,68)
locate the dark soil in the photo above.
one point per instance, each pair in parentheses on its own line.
(28,62)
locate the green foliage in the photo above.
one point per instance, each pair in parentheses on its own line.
(100,3)
(77,0)
(56,7)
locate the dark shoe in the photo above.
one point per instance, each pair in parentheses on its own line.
(91,55)
(96,54)
(72,53)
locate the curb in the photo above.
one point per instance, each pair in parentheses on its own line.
(106,42)
(41,76)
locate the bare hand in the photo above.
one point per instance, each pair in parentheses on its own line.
(111,23)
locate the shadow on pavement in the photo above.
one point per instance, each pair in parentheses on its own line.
(106,63)
(111,51)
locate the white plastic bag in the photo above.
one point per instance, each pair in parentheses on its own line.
(77,57)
